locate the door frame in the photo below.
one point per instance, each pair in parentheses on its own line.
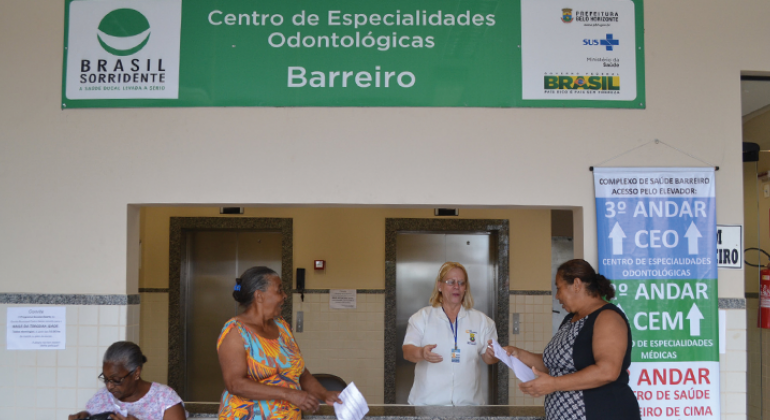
(394,226)
(178,260)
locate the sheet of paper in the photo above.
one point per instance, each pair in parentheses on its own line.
(522,372)
(342,298)
(353,407)
(36,328)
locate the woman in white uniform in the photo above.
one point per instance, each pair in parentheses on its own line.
(450,342)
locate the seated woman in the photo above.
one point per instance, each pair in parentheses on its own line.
(265,375)
(126,395)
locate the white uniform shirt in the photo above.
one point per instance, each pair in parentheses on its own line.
(447,383)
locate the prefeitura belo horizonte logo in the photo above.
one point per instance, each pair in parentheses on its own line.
(123,32)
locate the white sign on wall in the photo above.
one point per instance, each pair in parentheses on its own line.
(123,49)
(36,328)
(342,299)
(729,246)
(580,51)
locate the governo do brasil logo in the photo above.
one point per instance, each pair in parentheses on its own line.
(123,32)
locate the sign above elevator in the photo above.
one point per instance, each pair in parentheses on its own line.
(432,53)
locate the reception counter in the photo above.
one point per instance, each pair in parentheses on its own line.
(408,412)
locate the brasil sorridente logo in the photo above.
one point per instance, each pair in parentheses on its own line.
(123,32)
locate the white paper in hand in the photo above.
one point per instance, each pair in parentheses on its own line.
(354,405)
(522,372)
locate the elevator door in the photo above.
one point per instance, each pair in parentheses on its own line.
(418,259)
(215,260)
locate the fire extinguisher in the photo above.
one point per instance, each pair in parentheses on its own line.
(764,298)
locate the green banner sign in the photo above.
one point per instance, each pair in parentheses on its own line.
(439,53)
(672,320)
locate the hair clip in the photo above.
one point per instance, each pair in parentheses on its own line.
(237,288)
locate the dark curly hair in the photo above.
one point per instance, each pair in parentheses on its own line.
(596,284)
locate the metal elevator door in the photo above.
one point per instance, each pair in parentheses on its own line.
(214,260)
(418,259)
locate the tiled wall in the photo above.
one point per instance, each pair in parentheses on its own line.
(349,343)
(758,364)
(153,336)
(732,367)
(534,333)
(51,384)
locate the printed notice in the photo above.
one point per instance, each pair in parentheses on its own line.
(38,328)
(729,246)
(342,299)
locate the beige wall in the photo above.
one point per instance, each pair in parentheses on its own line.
(68,179)
(90,164)
(352,241)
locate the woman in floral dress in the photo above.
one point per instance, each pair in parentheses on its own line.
(264,373)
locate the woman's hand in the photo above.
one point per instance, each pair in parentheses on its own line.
(542,384)
(417,354)
(512,351)
(331,397)
(429,356)
(80,415)
(489,354)
(303,400)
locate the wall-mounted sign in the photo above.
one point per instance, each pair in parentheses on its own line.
(588,53)
(439,53)
(657,237)
(729,246)
(342,298)
(36,328)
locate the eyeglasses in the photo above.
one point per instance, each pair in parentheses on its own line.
(452,282)
(115,382)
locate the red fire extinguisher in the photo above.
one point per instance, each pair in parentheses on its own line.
(764,298)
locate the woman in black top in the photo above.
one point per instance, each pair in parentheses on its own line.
(583,371)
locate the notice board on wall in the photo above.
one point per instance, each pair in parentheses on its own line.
(422,53)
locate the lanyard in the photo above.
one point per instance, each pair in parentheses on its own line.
(454,327)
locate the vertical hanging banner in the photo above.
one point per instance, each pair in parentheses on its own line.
(656,233)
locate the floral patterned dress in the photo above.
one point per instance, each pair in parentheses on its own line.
(152,406)
(274,362)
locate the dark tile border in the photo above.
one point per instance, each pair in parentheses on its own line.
(177,245)
(152,290)
(531,292)
(67,299)
(732,303)
(392,228)
(752,295)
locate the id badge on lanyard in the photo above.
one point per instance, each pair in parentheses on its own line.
(455,355)
(455,327)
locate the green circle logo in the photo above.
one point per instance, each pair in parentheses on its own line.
(121,32)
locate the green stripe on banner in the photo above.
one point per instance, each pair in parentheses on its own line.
(671,320)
